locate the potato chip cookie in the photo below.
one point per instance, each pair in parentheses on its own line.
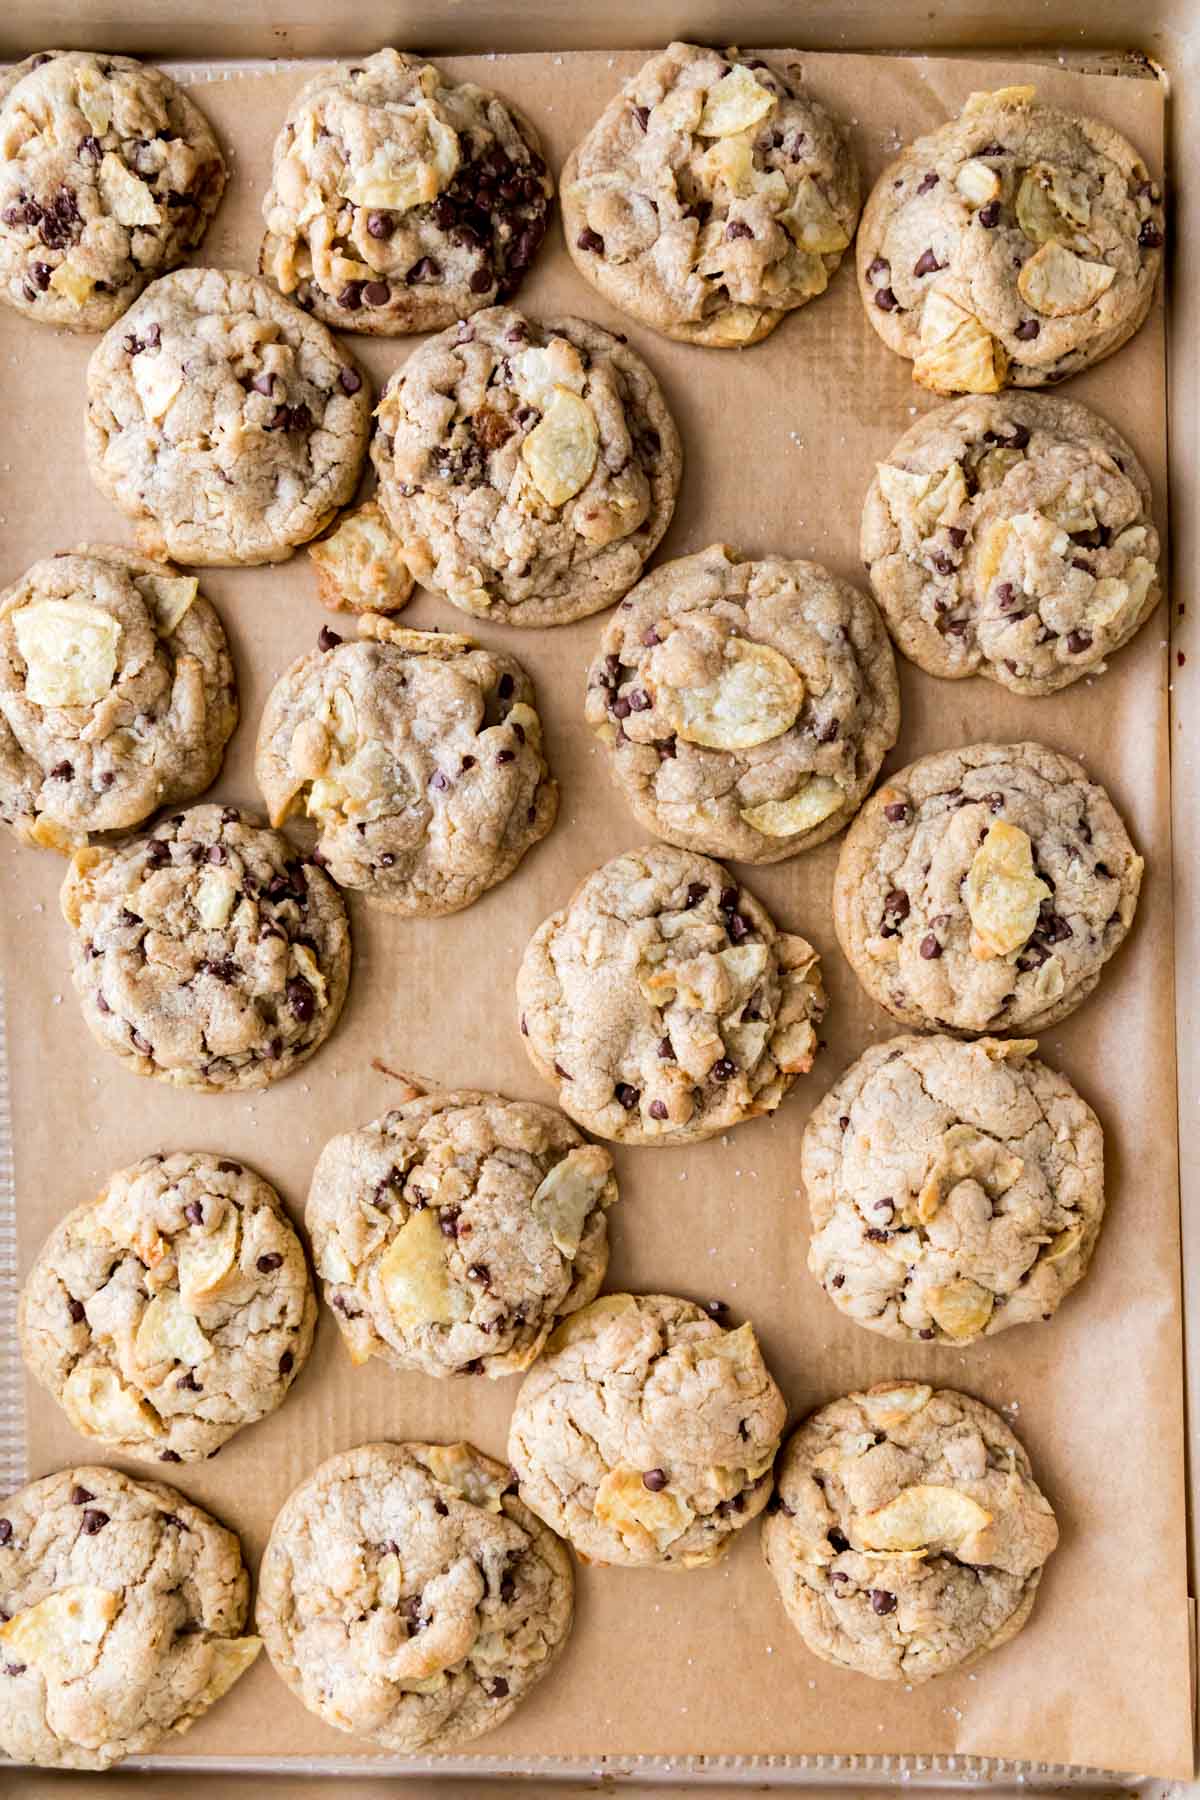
(956,1189)
(907,1536)
(664,1004)
(712,196)
(528,470)
(123,1609)
(1012,247)
(172,1309)
(646,1432)
(109,175)
(746,706)
(1012,537)
(984,889)
(408,1596)
(401,200)
(456,1231)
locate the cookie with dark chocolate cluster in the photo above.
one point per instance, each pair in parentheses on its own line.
(401,200)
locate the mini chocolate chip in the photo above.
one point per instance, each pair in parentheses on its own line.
(882,1602)
(506,756)
(989,215)
(81,1495)
(499,1688)
(957,536)
(94,1521)
(301,999)
(193,1212)
(838,1540)
(272,1260)
(1150,237)
(349,380)
(696,892)
(376,293)
(827,734)
(75,1308)
(927,1333)
(477,1272)
(655,1480)
(896,906)
(426,268)
(885,300)
(380,224)
(658,1109)
(626,1095)
(590,240)
(217,853)
(897,812)
(482,279)
(927,183)
(930,948)
(642,115)
(737,228)
(879,267)
(328,639)
(838,1281)
(943,563)
(142,1044)
(665,1051)
(61,771)
(1027,330)
(640,701)
(229,1168)
(107,779)
(1006,595)
(926,264)
(439,781)
(170,1456)
(5,1530)
(1078,642)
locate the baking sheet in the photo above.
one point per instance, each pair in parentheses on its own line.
(779,444)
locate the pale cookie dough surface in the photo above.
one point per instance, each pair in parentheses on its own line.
(400,200)
(208,953)
(109,175)
(408,1596)
(956,1189)
(227,424)
(712,196)
(908,1535)
(528,469)
(172,1309)
(663,1003)
(646,1433)
(1012,537)
(1015,245)
(117,694)
(984,889)
(746,706)
(123,1606)
(419,757)
(359,566)
(455,1232)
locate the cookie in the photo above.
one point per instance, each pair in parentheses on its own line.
(956,1189)
(406,1595)
(117,694)
(418,754)
(528,470)
(908,1536)
(456,1231)
(746,706)
(712,196)
(401,200)
(227,424)
(208,953)
(109,176)
(359,565)
(984,889)
(646,1432)
(1015,245)
(123,1609)
(171,1310)
(664,1004)
(1012,538)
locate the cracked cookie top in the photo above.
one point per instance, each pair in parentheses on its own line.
(712,196)
(907,1536)
(419,756)
(208,953)
(401,200)
(984,889)
(123,1606)
(664,1004)
(109,175)
(223,420)
(956,1189)
(408,1596)
(528,469)
(1013,246)
(646,1432)
(746,706)
(172,1309)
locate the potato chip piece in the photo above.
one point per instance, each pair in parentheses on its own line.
(445,644)
(583,1323)
(994,465)
(627,1505)
(734,103)
(70,651)
(61,1636)
(977,182)
(126,196)
(334,1264)
(169,1333)
(572,1190)
(168,597)
(1003,893)
(816,801)
(560,452)
(360,565)
(157,379)
(310,971)
(678,110)
(1064,1244)
(229,1658)
(812,221)
(206,1259)
(72,282)
(957,355)
(390,1578)
(414,1276)
(962,1308)
(922,1517)
(93,99)
(99,1404)
(395,179)
(460,1467)
(1057,283)
(755,697)
(887,1407)
(1005,96)
(1052,202)
(538,371)
(1110,597)
(729,162)
(919,499)
(216,892)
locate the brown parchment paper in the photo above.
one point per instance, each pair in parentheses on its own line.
(780,442)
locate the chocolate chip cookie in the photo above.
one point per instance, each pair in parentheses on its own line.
(1012,538)
(712,196)
(227,424)
(172,1309)
(117,694)
(908,1536)
(456,1231)
(208,953)
(956,1189)
(746,706)
(418,754)
(646,1432)
(664,1004)
(123,1606)
(109,175)
(1011,247)
(406,1595)
(528,470)
(984,889)
(401,200)
(359,565)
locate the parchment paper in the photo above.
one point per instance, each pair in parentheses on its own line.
(780,443)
